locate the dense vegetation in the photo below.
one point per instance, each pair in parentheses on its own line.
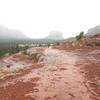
(12,46)
(8,47)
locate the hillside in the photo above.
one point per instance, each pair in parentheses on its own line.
(86,41)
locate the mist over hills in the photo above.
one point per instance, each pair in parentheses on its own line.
(11,34)
(55,35)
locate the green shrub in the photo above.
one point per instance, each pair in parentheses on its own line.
(80,36)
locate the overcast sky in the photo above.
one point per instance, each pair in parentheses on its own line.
(38,17)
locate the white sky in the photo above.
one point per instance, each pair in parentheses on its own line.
(38,17)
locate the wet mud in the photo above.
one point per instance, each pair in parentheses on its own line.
(62,75)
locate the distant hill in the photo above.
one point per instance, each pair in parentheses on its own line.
(94,30)
(8,34)
(55,35)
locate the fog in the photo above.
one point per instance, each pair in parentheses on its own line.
(37,18)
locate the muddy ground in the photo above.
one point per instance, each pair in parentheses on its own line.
(62,75)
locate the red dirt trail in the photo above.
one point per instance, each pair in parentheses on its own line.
(59,79)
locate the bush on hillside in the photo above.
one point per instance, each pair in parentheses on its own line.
(80,36)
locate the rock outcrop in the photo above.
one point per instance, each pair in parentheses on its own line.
(94,31)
